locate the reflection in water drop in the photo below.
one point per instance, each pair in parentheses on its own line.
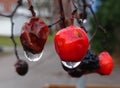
(33,57)
(71,65)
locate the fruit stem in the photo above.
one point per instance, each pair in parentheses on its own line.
(72,20)
(62,24)
(74,7)
(31,8)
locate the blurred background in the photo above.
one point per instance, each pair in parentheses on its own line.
(49,70)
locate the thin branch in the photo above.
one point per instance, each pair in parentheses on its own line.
(5,15)
(103,29)
(60,19)
(62,23)
(95,18)
(98,26)
(13,38)
(96,22)
(75,8)
(74,11)
(19,3)
(31,8)
(84,13)
(12,28)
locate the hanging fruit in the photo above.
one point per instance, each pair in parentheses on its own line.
(92,63)
(33,37)
(21,67)
(106,63)
(89,64)
(71,43)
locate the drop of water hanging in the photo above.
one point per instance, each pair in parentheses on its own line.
(33,57)
(71,65)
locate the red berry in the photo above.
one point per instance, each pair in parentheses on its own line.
(71,43)
(21,67)
(106,63)
(34,35)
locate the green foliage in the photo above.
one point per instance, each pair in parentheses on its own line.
(108,15)
(6,41)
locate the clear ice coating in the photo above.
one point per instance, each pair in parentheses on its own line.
(33,57)
(71,65)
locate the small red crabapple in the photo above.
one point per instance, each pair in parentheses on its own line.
(71,43)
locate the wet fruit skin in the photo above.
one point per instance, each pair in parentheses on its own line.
(106,63)
(89,64)
(34,35)
(92,63)
(71,43)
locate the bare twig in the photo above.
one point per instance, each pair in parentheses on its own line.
(97,23)
(13,39)
(19,3)
(84,13)
(5,15)
(74,11)
(12,25)
(75,8)
(62,23)
(60,19)
(31,8)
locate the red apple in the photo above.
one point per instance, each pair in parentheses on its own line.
(71,43)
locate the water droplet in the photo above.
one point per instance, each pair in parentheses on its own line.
(33,57)
(71,65)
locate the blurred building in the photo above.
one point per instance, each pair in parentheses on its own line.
(6,6)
